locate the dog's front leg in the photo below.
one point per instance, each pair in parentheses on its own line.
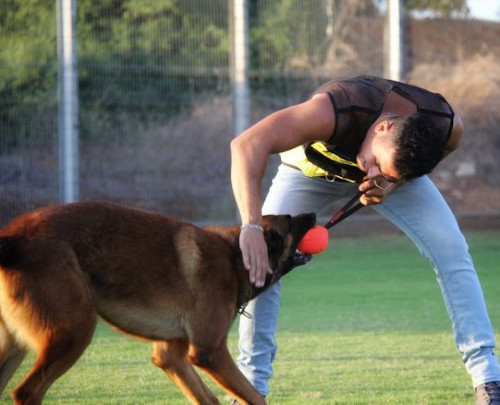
(219,365)
(171,358)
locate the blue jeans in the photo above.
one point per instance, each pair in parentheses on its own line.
(420,211)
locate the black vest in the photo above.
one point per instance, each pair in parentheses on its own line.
(357,103)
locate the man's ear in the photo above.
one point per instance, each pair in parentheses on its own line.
(384,126)
(381,126)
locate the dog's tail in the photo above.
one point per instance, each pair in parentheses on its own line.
(11,351)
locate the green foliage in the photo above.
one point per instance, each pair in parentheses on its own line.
(150,58)
(285,34)
(27,52)
(134,57)
(443,8)
(161,33)
(27,64)
(147,58)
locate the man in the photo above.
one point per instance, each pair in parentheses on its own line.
(381,137)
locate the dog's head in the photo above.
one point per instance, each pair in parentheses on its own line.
(283,234)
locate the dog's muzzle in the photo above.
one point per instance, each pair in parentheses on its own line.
(299,258)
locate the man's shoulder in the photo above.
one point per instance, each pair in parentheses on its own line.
(355,85)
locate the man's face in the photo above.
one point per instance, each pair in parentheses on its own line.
(376,155)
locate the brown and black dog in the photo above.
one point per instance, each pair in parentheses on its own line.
(148,275)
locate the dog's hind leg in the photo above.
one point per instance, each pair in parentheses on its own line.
(47,306)
(171,358)
(58,354)
(11,356)
(9,365)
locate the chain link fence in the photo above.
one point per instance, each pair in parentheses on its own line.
(155,109)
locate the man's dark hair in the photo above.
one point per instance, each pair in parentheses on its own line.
(419,145)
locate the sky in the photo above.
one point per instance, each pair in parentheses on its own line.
(485,9)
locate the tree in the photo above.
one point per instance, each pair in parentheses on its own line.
(28,66)
(442,8)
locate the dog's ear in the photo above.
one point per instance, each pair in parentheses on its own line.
(281,224)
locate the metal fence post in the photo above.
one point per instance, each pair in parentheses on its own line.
(68,101)
(395,40)
(238,21)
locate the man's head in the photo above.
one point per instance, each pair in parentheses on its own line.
(419,145)
(401,147)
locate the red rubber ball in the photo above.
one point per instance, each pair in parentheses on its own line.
(314,241)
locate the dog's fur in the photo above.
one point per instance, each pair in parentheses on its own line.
(148,275)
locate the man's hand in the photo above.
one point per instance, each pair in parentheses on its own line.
(376,190)
(255,255)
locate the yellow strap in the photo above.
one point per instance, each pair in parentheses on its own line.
(321,148)
(297,158)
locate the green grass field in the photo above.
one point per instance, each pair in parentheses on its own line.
(364,323)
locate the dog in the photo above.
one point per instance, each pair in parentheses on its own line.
(147,275)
